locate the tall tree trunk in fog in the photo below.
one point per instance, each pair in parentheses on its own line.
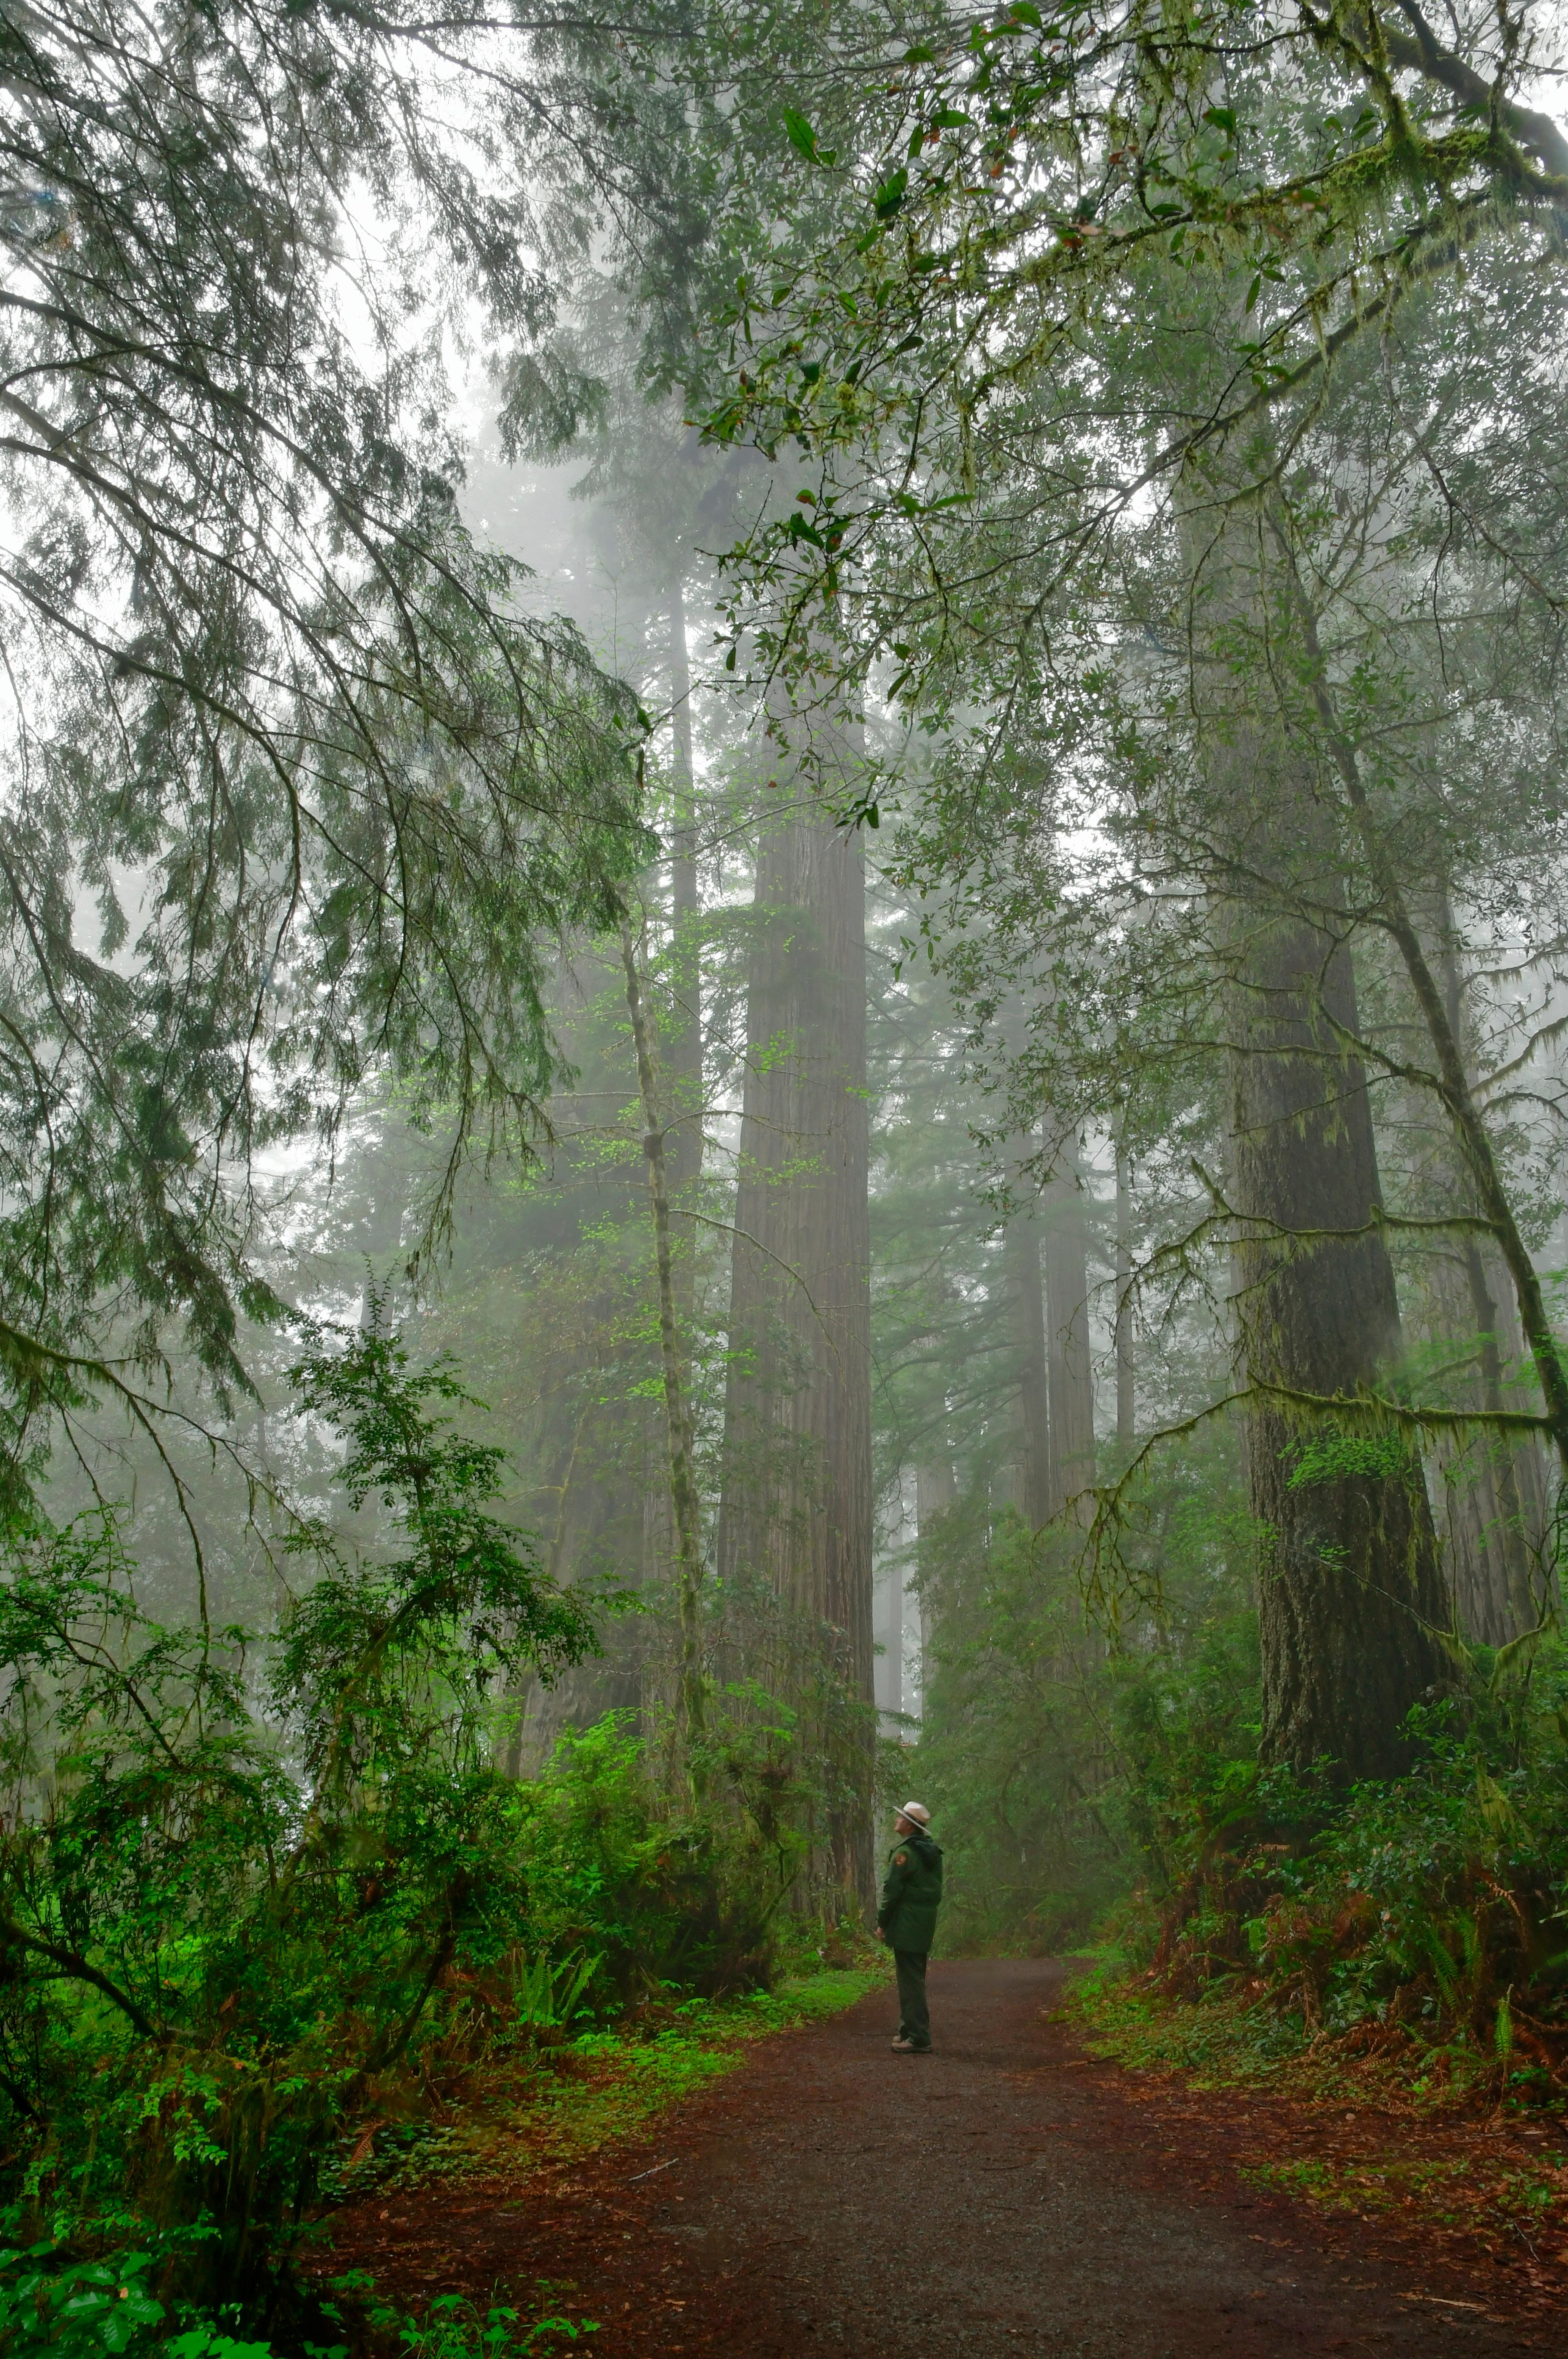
(1518,1613)
(1510,1609)
(1350,1598)
(589,1503)
(890,1638)
(1472,1135)
(1034,1372)
(1530,1463)
(797,1505)
(1471,1521)
(690,1699)
(1067,1337)
(1126,1419)
(683,1048)
(936,1493)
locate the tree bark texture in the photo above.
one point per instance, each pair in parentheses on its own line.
(1067,1338)
(683,1499)
(797,1503)
(1491,1588)
(1493,1491)
(1034,1371)
(936,1494)
(681,1050)
(1127,1400)
(1515,1472)
(1351,1601)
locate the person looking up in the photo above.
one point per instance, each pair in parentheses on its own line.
(905,1918)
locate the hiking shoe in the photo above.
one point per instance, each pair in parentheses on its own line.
(909,2048)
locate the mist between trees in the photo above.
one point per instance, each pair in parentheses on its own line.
(836,1066)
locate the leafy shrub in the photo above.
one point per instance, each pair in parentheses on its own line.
(220,1925)
(665,1898)
(254,1887)
(56,2298)
(1432,1909)
(74,2307)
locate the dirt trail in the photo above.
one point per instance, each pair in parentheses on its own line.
(1001,2194)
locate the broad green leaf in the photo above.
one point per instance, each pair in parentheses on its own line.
(802,136)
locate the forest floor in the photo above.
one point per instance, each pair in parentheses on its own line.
(1008,2192)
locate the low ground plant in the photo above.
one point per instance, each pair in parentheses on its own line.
(450,2326)
(81,2294)
(513,2111)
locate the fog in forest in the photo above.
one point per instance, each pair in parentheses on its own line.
(784,1025)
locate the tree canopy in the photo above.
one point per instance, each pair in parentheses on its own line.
(299,789)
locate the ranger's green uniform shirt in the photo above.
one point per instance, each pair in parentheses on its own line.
(910,1895)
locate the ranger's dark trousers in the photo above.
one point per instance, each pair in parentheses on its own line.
(914,2016)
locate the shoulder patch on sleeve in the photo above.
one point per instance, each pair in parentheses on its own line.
(900,1859)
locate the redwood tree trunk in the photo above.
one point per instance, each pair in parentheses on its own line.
(1034,1370)
(797,1505)
(1351,1600)
(1509,1476)
(1127,1400)
(682,1049)
(1067,1337)
(936,1494)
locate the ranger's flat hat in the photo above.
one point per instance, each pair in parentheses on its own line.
(916,1813)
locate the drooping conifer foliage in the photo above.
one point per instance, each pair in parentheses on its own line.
(297,789)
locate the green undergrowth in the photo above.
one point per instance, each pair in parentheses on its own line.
(1443,2185)
(121,2310)
(1405,1941)
(1233,2035)
(1216,2040)
(276,1918)
(450,2326)
(1227,2039)
(558,2103)
(1382,2126)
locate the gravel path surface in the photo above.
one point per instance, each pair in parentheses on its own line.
(999,2195)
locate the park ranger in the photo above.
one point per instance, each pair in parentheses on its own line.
(907,1922)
